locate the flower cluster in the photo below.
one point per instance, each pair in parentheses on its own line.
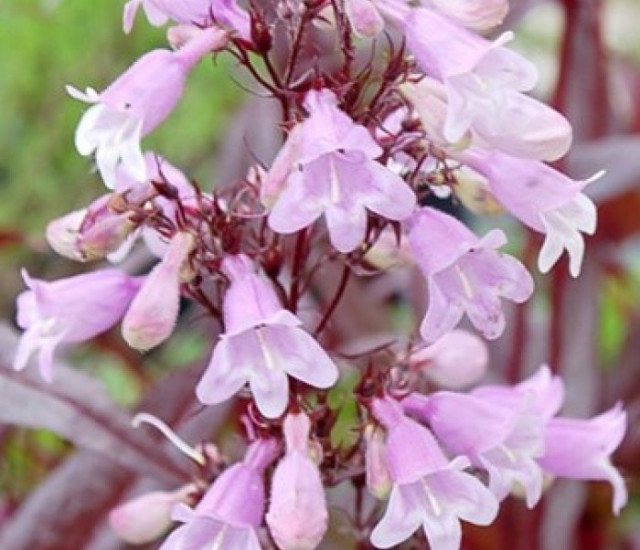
(368,146)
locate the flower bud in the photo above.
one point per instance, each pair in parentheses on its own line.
(377,475)
(297,516)
(455,361)
(147,517)
(62,234)
(154,311)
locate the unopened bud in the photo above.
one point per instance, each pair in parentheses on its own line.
(147,517)
(62,234)
(154,311)
(455,361)
(297,516)
(377,475)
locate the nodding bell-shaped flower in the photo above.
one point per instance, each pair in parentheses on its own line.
(147,517)
(202,13)
(544,199)
(455,361)
(136,103)
(498,439)
(479,16)
(581,449)
(153,313)
(263,343)
(230,513)
(465,274)
(428,489)
(70,310)
(297,515)
(327,167)
(483,82)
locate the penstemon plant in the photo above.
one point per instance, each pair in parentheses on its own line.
(389,110)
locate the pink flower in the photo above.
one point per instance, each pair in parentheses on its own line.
(428,489)
(69,310)
(231,511)
(465,274)
(153,313)
(483,82)
(263,343)
(297,516)
(136,103)
(202,13)
(581,449)
(327,167)
(498,439)
(544,199)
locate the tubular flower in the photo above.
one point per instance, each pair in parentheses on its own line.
(136,103)
(231,511)
(327,167)
(428,489)
(581,449)
(263,343)
(69,310)
(542,198)
(483,84)
(297,516)
(465,274)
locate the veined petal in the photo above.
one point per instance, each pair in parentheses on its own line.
(399,522)
(295,208)
(442,314)
(228,370)
(303,357)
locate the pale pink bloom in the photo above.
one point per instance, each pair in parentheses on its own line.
(455,361)
(474,14)
(428,489)
(297,515)
(582,449)
(465,274)
(327,167)
(483,82)
(136,103)
(69,310)
(263,345)
(202,13)
(230,513)
(504,441)
(147,517)
(544,199)
(153,313)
